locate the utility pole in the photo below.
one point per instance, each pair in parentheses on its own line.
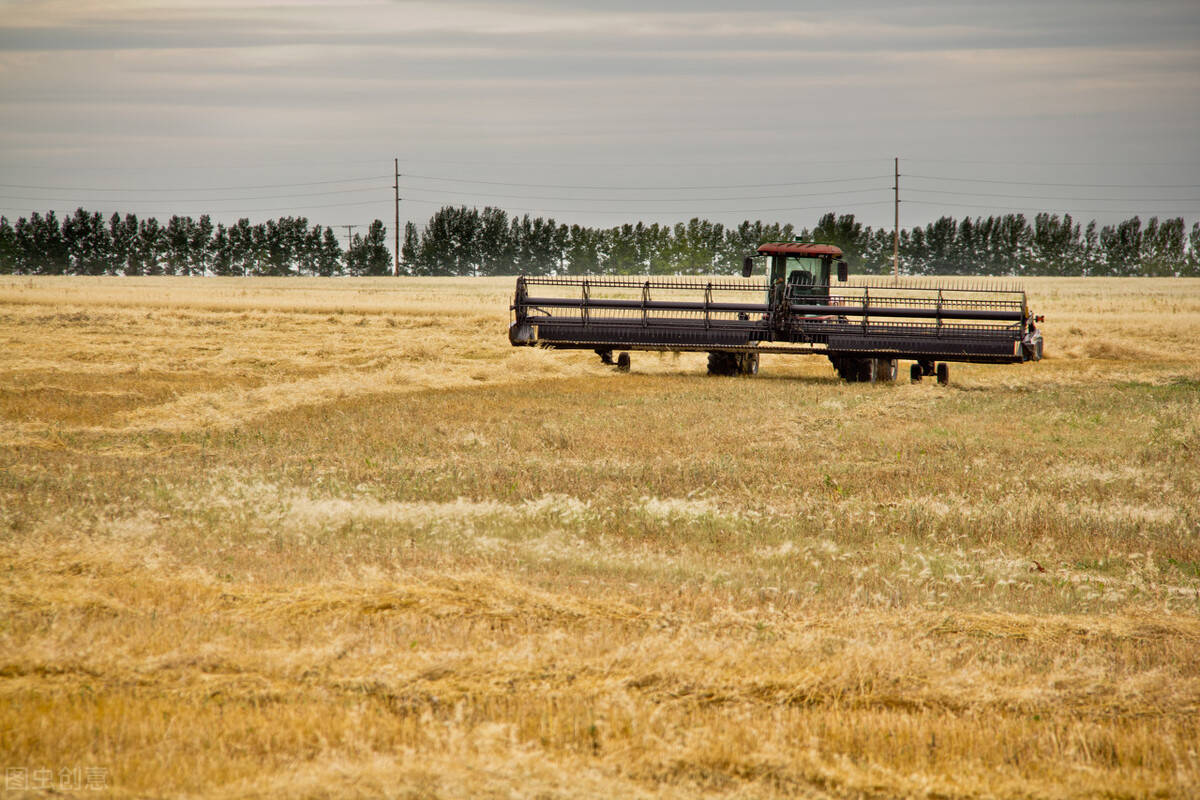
(349,241)
(396,187)
(896,230)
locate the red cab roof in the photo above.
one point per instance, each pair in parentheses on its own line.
(802,249)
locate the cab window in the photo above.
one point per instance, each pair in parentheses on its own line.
(803,271)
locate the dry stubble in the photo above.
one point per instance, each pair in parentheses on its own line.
(336,538)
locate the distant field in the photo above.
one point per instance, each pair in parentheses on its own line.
(336,538)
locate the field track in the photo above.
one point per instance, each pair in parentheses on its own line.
(336,538)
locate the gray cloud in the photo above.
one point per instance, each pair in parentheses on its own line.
(650,92)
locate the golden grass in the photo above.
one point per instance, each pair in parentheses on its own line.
(336,538)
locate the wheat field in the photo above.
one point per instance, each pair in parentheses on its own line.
(336,538)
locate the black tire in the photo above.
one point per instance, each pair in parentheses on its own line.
(885,369)
(854,370)
(914,373)
(866,370)
(943,373)
(715,363)
(623,362)
(748,364)
(721,363)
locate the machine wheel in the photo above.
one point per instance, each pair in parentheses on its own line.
(914,373)
(866,370)
(943,373)
(748,363)
(722,363)
(605,356)
(885,369)
(623,362)
(854,370)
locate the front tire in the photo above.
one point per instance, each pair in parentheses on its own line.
(853,370)
(866,370)
(722,363)
(885,369)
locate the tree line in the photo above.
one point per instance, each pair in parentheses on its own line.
(469,241)
(87,244)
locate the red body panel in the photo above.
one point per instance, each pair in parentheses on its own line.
(802,249)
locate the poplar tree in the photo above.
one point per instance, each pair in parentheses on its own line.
(410,251)
(149,248)
(1122,246)
(375,258)
(330,261)
(494,245)
(222,252)
(9,263)
(1164,247)
(1193,261)
(200,245)
(123,234)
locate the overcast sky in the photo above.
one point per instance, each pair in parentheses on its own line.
(601,112)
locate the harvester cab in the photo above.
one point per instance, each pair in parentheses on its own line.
(800,270)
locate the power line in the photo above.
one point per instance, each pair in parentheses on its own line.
(567,186)
(647,199)
(257,164)
(220,210)
(694,203)
(645,188)
(192,188)
(1054,163)
(202,199)
(641,164)
(1072,185)
(625,211)
(1048,210)
(691,211)
(1056,197)
(266,164)
(263,163)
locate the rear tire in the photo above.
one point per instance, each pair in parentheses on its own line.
(914,373)
(885,369)
(943,373)
(623,362)
(748,364)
